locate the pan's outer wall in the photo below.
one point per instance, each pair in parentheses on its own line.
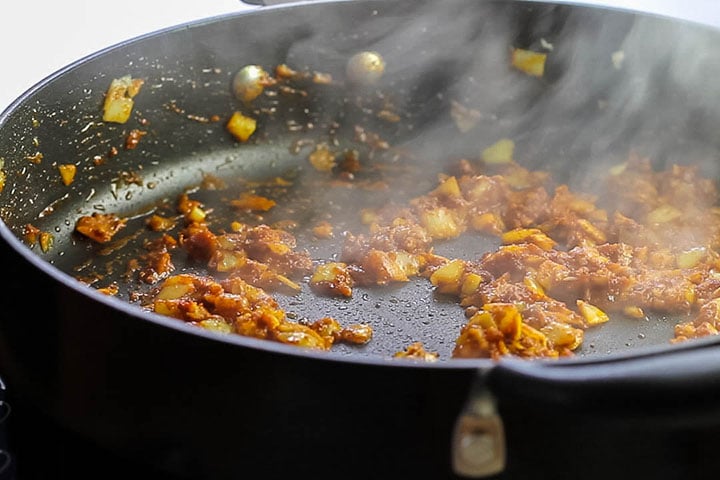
(218,410)
(206,409)
(214,410)
(147,390)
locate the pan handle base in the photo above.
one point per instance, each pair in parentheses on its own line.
(264,3)
(478,447)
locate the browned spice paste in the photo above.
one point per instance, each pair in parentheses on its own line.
(567,261)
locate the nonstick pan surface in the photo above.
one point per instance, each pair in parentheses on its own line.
(60,120)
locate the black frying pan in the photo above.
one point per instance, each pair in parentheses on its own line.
(196,404)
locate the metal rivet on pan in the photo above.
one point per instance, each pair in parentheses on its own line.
(365,68)
(249,82)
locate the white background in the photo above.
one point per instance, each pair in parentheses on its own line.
(38,37)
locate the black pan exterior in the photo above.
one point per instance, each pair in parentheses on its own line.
(204,407)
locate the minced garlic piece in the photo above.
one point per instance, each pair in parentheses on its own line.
(241,127)
(500,152)
(529,62)
(67,173)
(592,314)
(322,159)
(119,98)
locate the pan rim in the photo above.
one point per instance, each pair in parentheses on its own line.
(19,248)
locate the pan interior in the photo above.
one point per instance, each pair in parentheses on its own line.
(572,122)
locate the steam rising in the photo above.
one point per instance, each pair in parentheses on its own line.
(615,82)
